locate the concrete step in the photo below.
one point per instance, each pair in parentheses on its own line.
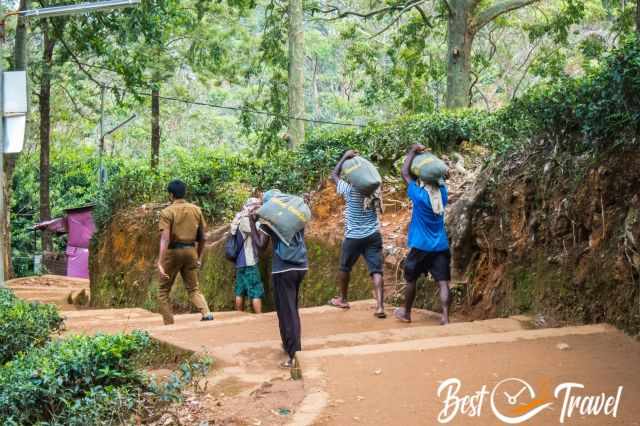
(248,348)
(397,383)
(125,320)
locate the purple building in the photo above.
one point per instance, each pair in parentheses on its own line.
(78,224)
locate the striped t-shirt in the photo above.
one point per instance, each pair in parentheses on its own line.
(358,221)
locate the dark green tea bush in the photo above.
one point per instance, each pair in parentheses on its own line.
(78,380)
(24,325)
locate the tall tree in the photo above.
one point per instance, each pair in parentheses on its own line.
(49,41)
(638,17)
(296,72)
(44,107)
(20,58)
(464,19)
(155,127)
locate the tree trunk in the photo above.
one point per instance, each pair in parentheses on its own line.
(314,88)
(20,52)
(460,39)
(155,127)
(638,17)
(45,133)
(296,72)
(19,64)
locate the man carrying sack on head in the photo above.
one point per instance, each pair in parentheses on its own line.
(427,237)
(182,229)
(362,227)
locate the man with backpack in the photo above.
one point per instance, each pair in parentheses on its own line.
(244,253)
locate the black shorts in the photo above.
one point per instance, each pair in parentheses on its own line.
(368,247)
(420,262)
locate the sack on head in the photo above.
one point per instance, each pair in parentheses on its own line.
(285,214)
(429,168)
(362,175)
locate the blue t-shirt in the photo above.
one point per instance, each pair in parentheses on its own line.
(358,221)
(426,230)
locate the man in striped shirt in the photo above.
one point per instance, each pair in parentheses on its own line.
(362,238)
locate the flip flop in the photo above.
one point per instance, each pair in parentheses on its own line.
(399,314)
(287,365)
(337,302)
(208,317)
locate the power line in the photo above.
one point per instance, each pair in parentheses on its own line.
(229,108)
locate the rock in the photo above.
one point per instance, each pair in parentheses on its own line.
(562,346)
(378,372)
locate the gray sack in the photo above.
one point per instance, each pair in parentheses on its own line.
(285,214)
(429,168)
(362,175)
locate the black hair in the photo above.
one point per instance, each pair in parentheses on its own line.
(177,188)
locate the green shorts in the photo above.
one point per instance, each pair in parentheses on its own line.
(249,283)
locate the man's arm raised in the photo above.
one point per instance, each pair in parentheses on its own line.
(335,174)
(406,167)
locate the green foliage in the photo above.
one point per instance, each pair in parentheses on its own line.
(24,325)
(73,183)
(211,176)
(591,110)
(594,110)
(187,374)
(79,380)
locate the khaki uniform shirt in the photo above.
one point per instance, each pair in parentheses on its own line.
(185,222)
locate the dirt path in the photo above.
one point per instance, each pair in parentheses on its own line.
(406,387)
(357,369)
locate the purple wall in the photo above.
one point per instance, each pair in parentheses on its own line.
(78,223)
(80,227)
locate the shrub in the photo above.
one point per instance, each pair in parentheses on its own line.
(79,380)
(24,325)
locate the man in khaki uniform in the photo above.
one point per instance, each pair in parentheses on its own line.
(182,229)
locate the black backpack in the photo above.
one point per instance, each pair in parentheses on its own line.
(232,248)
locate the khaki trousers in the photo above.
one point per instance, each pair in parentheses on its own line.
(185,262)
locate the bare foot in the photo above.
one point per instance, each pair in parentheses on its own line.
(401,315)
(444,320)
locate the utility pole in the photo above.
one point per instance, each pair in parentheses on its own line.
(46,12)
(102,173)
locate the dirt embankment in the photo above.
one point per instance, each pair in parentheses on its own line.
(123,272)
(556,234)
(123,259)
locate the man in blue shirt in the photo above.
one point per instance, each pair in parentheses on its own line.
(362,238)
(427,239)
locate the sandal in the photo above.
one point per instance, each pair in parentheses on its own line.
(399,313)
(337,302)
(208,317)
(288,365)
(381,315)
